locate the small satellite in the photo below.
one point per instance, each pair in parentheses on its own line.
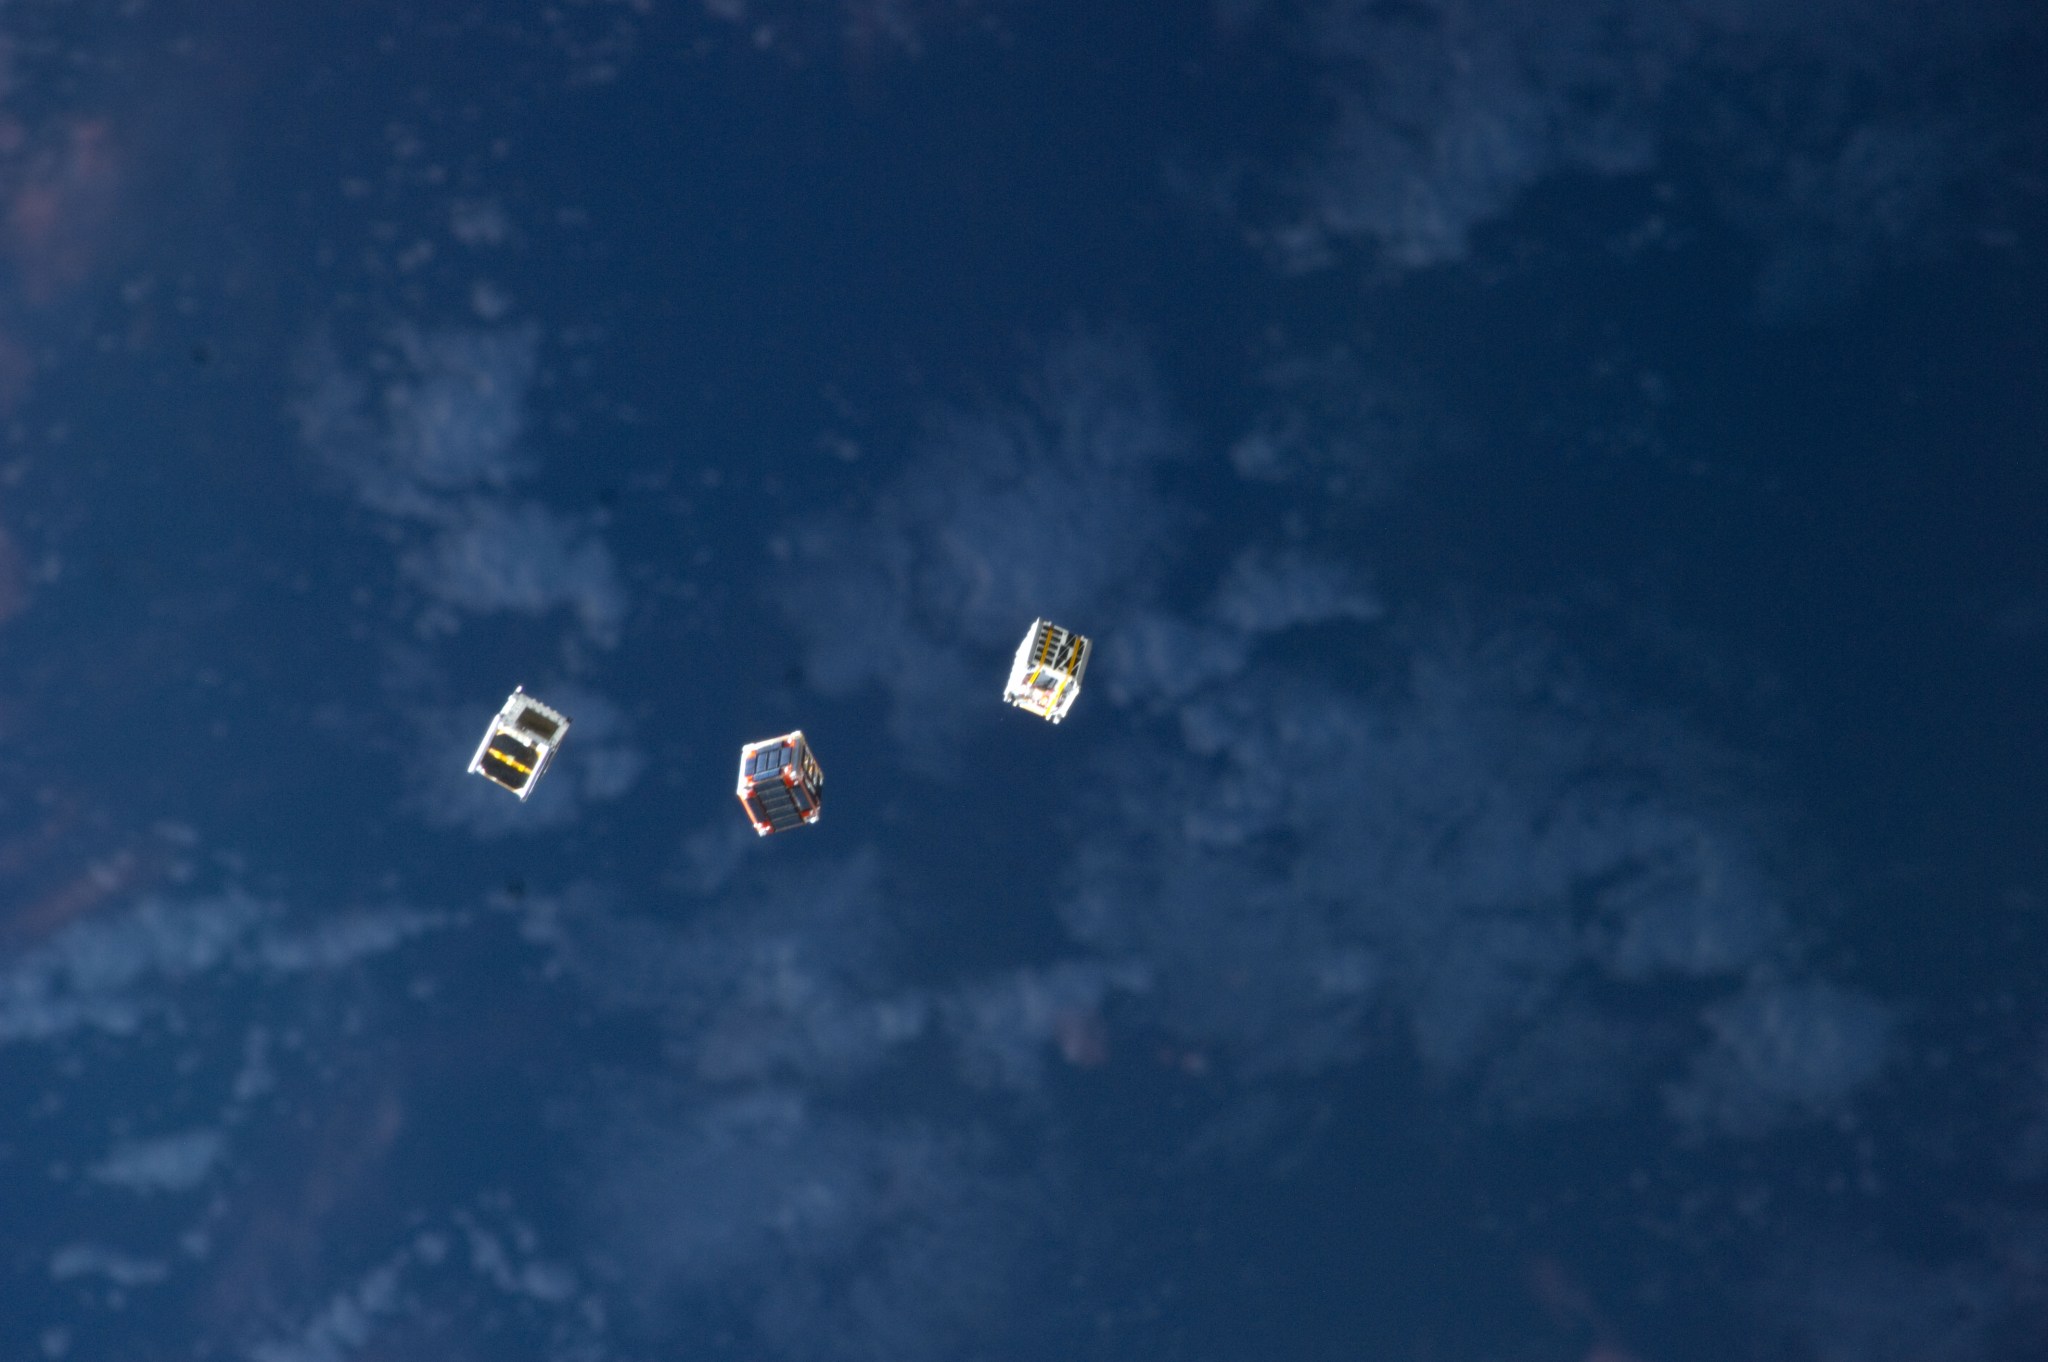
(1046,677)
(780,783)
(520,743)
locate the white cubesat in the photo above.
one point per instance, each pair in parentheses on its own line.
(520,743)
(1046,677)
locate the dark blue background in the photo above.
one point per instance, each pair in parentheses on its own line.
(1547,864)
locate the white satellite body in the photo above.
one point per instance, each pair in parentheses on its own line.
(519,744)
(1046,677)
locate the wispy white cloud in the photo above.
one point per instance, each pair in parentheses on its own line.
(1269,593)
(158,1010)
(862,30)
(116,973)
(1446,115)
(787,979)
(454,409)
(345,938)
(343,1326)
(100,973)
(479,223)
(1478,835)
(491,557)
(1573,1061)
(1006,1029)
(1840,1300)
(1040,507)
(1782,1054)
(833,1237)
(1455,848)
(432,413)
(166,1163)
(115,1266)
(1336,426)
(431,434)
(1160,660)
(467,1262)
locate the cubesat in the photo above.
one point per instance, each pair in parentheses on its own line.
(519,744)
(781,786)
(1046,677)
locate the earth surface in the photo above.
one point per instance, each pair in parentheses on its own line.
(1547,864)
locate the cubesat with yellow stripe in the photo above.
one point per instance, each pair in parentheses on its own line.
(520,743)
(781,786)
(1046,677)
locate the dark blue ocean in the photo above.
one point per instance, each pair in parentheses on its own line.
(1550,859)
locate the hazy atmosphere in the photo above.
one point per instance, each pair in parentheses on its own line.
(1550,859)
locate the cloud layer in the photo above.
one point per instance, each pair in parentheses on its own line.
(1447,116)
